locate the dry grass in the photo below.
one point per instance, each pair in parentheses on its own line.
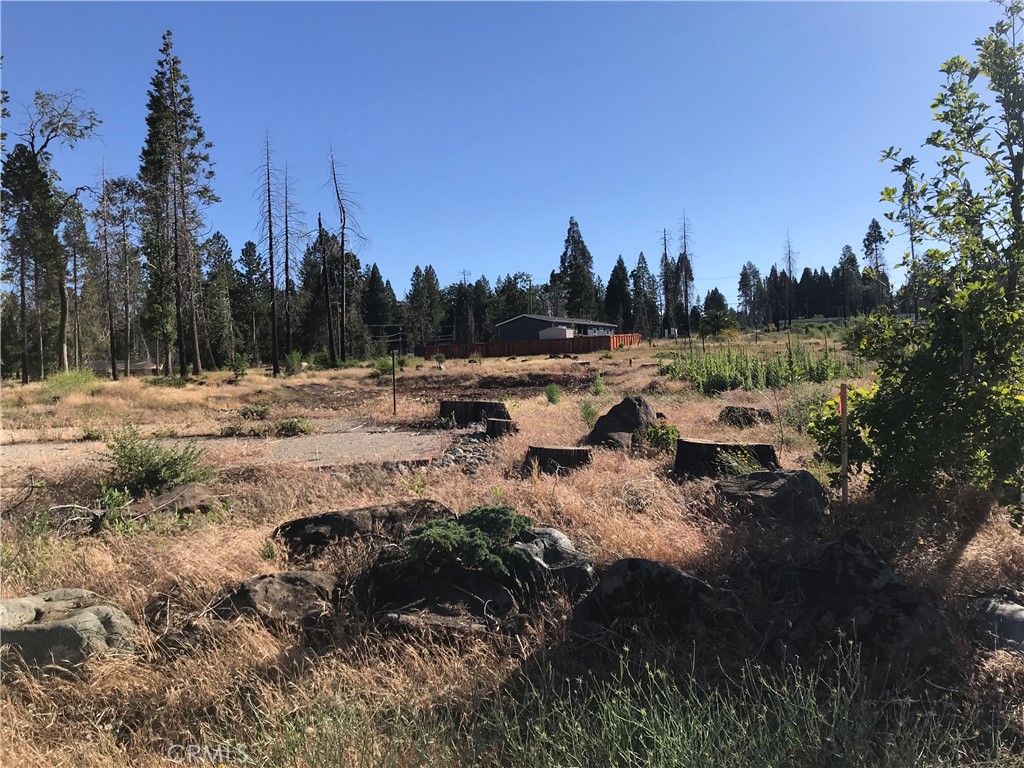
(126,711)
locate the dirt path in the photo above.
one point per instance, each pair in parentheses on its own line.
(335,443)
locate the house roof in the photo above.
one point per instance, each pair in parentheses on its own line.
(567,320)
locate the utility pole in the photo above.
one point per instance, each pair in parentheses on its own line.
(470,334)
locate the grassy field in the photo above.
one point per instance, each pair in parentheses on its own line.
(246,695)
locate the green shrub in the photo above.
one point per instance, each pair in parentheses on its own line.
(292,363)
(723,370)
(474,358)
(825,427)
(254,412)
(380,367)
(438,358)
(662,438)
(402,361)
(554,393)
(91,434)
(291,427)
(598,386)
(232,430)
(589,413)
(478,540)
(239,366)
(141,466)
(58,385)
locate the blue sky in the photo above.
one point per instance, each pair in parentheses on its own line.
(471,132)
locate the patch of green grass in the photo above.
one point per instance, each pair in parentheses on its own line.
(554,393)
(174,382)
(598,386)
(638,716)
(58,385)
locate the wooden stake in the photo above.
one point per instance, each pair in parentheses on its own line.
(844,468)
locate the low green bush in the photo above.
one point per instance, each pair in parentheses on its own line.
(598,386)
(478,540)
(554,393)
(140,466)
(662,438)
(254,412)
(292,427)
(589,413)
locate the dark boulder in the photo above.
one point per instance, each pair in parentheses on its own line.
(789,496)
(846,589)
(64,627)
(310,536)
(538,559)
(745,416)
(395,582)
(635,588)
(617,427)
(998,620)
(305,599)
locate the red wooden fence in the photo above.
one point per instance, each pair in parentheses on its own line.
(575,346)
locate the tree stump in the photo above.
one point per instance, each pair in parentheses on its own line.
(704,458)
(500,427)
(553,459)
(463,412)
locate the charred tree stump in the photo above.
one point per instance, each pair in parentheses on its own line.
(552,460)
(463,412)
(704,458)
(500,427)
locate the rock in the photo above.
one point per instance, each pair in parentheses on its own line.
(554,560)
(998,620)
(189,499)
(616,428)
(310,536)
(555,459)
(395,584)
(635,588)
(790,496)
(846,589)
(745,416)
(704,458)
(303,598)
(64,627)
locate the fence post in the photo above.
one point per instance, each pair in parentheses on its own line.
(394,387)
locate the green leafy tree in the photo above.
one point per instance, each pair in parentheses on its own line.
(950,400)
